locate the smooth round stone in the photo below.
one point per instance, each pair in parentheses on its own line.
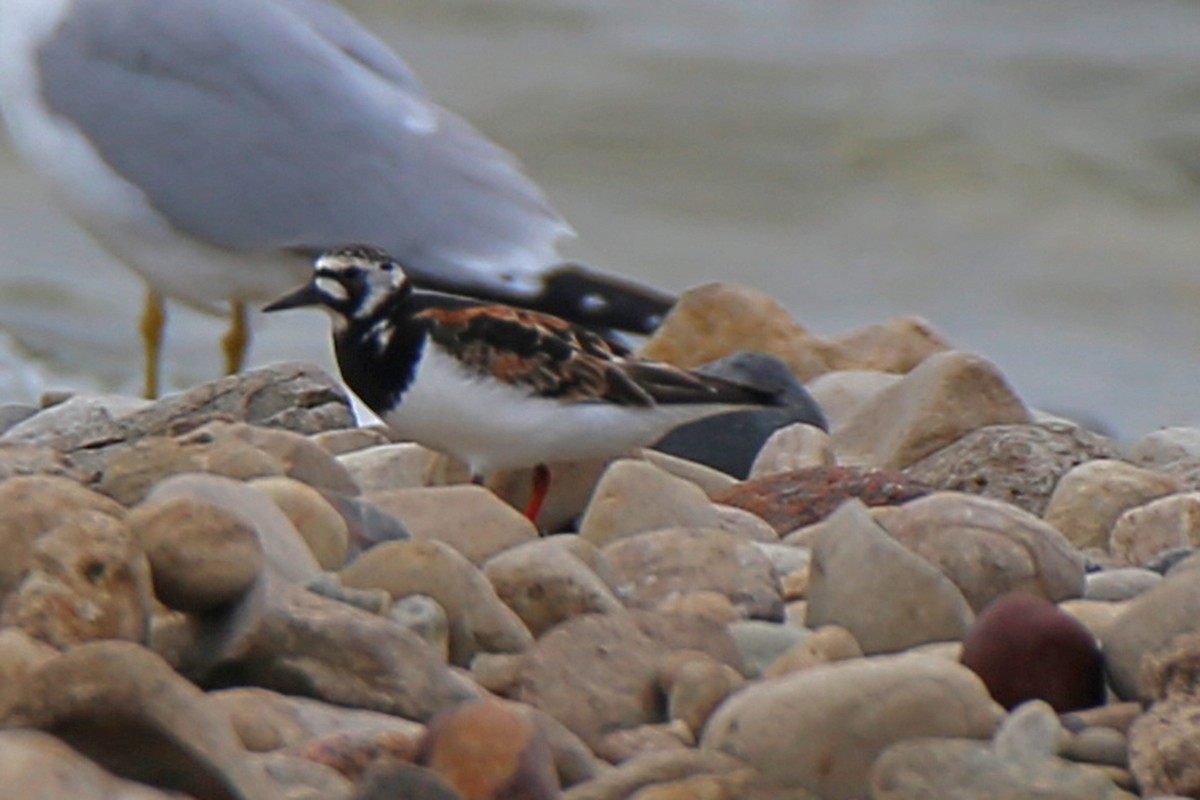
(695,685)
(201,556)
(38,766)
(1098,745)
(762,643)
(796,446)
(945,397)
(285,550)
(88,580)
(323,529)
(30,506)
(1088,500)
(425,617)
(745,525)
(299,457)
(1162,525)
(634,497)
(647,770)
(386,466)
(195,748)
(986,547)
(1149,624)
(218,450)
(479,621)
(132,471)
(545,583)
(1025,648)
(842,392)
(20,655)
(348,440)
(888,597)
(656,566)
(898,345)
(812,730)
(1116,585)
(487,748)
(709,605)
(825,645)
(468,518)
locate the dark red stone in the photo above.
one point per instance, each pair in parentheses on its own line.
(791,500)
(1025,648)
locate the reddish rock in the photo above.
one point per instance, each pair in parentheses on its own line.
(791,500)
(353,753)
(1025,648)
(488,750)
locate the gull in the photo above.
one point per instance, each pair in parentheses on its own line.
(216,146)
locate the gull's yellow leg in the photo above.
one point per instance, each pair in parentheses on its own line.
(154,319)
(237,339)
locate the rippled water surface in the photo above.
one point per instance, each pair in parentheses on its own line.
(1023,174)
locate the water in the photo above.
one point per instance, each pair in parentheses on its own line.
(1026,175)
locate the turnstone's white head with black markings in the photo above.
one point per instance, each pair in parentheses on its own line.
(181,133)
(496,386)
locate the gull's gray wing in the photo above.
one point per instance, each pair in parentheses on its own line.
(263,124)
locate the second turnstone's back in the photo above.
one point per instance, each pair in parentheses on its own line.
(497,386)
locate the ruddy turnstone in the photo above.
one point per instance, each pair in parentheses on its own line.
(496,386)
(216,146)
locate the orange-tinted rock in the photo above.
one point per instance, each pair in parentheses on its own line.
(791,500)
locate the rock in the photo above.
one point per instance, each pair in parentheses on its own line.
(201,556)
(965,770)
(870,584)
(1164,747)
(633,497)
(328,584)
(1096,616)
(302,459)
(488,751)
(133,471)
(897,345)
(266,720)
(284,549)
(323,529)
(30,506)
(718,319)
(791,500)
(13,413)
(946,397)
(386,466)
(1116,585)
(342,441)
(425,617)
(352,754)
(389,780)
(87,580)
(284,638)
(1168,523)
(1167,561)
(1117,716)
(1174,451)
(762,643)
(366,525)
(656,566)
(1147,626)
(479,621)
(744,525)
(302,779)
(711,481)
(29,459)
(624,744)
(786,559)
(811,729)
(798,446)
(1024,647)
(710,605)
(1090,498)
(591,696)
(295,397)
(125,702)
(825,645)
(545,583)
(729,442)
(1017,464)
(988,548)
(90,419)
(653,768)
(469,518)
(710,787)
(695,685)
(1098,745)
(38,766)
(220,451)
(840,394)
(20,655)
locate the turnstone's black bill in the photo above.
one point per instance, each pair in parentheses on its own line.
(497,386)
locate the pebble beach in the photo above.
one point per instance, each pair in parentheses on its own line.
(238,591)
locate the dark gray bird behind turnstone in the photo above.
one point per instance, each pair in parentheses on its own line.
(496,386)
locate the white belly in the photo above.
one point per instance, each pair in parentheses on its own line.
(492,426)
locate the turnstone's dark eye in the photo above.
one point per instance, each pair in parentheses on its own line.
(387,266)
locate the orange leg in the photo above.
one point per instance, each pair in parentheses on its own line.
(237,339)
(541,487)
